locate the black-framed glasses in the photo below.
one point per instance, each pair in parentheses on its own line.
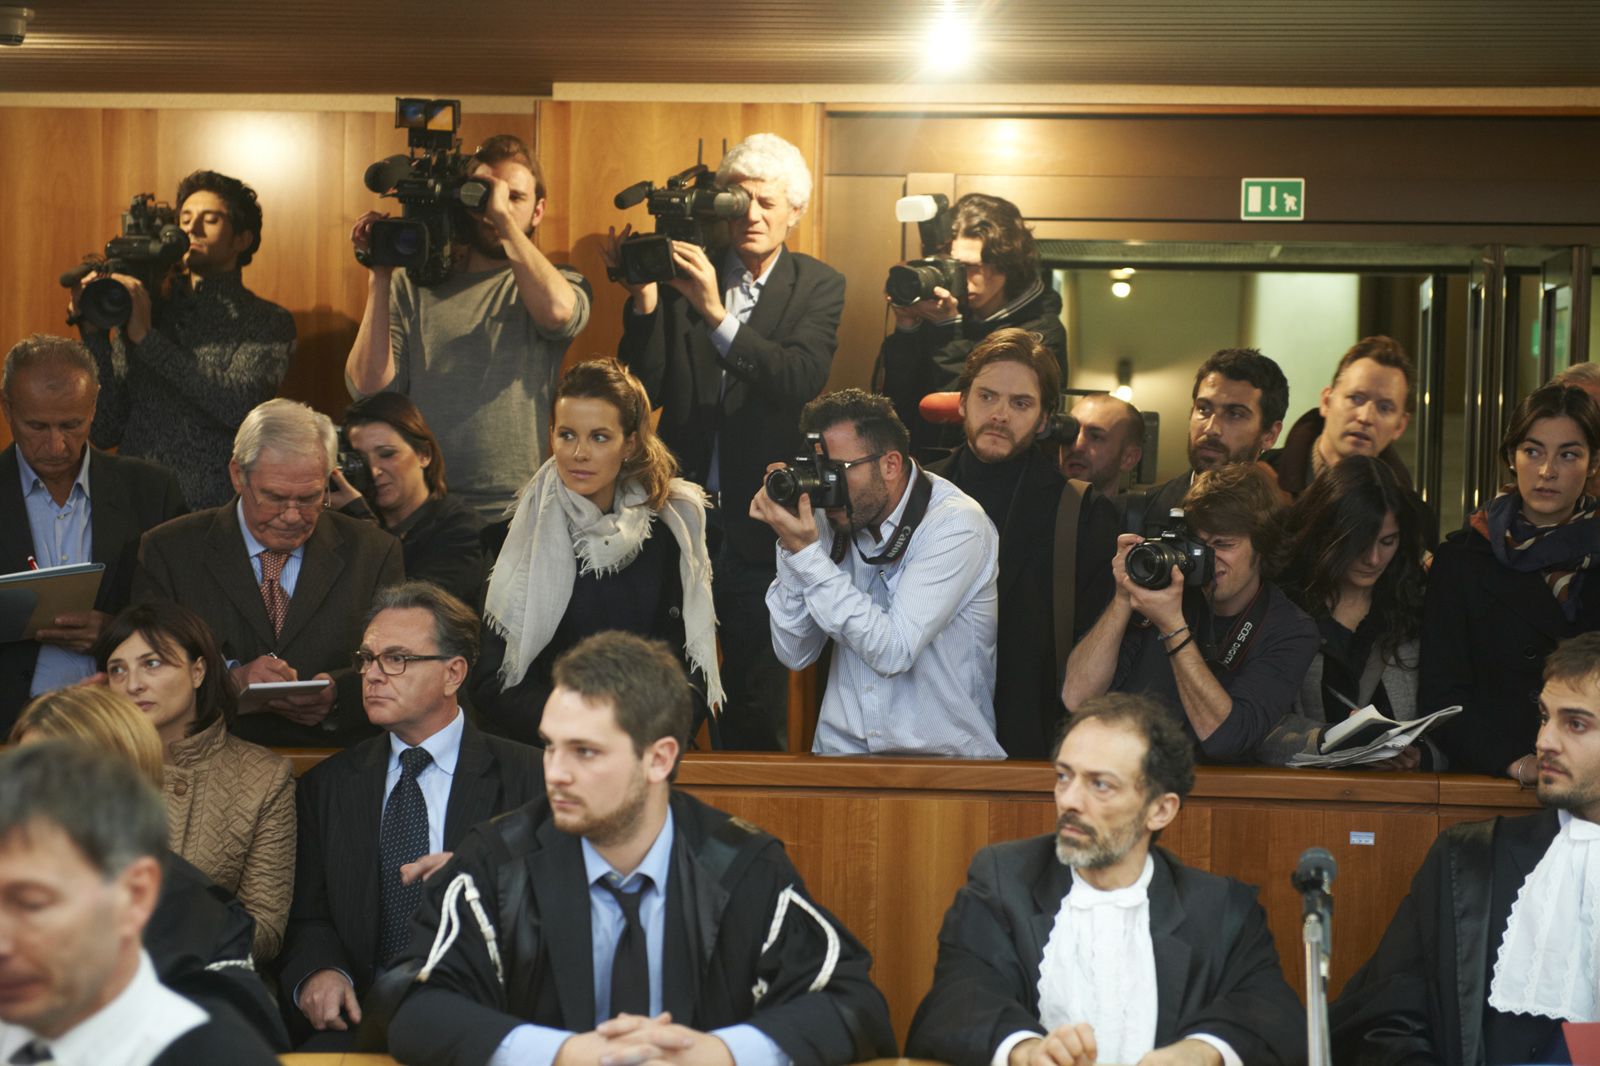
(393,663)
(846,464)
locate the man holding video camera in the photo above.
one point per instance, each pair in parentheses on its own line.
(731,349)
(479,352)
(1194,623)
(992,245)
(903,584)
(178,378)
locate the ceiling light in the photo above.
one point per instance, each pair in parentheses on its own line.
(1123,393)
(1122,274)
(1121,289)
(949,43)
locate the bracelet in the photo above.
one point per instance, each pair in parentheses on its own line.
(1164,637)
(1186,642)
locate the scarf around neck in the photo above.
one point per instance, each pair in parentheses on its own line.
(556,534)
(1561,552)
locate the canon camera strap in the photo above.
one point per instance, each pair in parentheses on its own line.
(916,508)
(1230,655)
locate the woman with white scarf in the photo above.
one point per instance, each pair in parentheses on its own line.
(604,537)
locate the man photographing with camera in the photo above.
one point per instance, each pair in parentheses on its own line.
(1231,654)
(993,248)
(189,363)
(903,582)
(480,350)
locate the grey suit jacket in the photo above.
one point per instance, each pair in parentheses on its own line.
(200,562)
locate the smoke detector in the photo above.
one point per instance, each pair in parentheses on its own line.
(14,24)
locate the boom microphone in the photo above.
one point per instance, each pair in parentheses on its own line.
(631,195)
(385,174)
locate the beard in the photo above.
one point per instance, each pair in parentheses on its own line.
(1572,795)
(1211,460)
(613,826)
(486,244)
(1101,848)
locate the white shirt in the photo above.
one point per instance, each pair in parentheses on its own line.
(135,1027)
(913,666)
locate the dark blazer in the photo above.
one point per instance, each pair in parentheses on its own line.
(1486,630)
(223,1039)
(1216,969)
(200,562)
(779,361)
(1027,687)
(127,497)
(1422,999)
(333,923)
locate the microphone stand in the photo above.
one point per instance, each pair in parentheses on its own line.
(1319,1048)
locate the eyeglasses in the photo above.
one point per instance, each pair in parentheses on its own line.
(393,663)
(275,505)
(846,464)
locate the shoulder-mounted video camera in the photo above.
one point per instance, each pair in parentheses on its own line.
(814,474)
(1170,544)
(691,207)
(434,184)
(915,281)
(150,245)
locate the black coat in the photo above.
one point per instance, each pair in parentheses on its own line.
(779,361)
(444,546)
(914,362)
(1422,999)
(727,883)
(1027,687)
(333,923)
(1486,630)
(224,1039)
(1217,971)
(127,497)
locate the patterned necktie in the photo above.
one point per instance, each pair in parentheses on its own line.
(272,593)
(403,838)
(31,1052)
(630,966)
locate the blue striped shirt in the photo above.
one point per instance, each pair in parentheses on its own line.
(63,535)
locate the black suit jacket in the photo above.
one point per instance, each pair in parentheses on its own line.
(1027,687)
(1423,996)
(200,562)
(333,923)
(778,362)
(1486,630)
(1216,969)
(127,497)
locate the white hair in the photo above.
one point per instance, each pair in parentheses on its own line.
(768,157)
(288,428)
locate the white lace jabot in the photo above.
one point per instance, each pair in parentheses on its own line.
(1099,967)
(1549,959)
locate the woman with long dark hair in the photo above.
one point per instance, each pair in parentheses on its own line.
(1506,589)
(605,536)
(1352,558)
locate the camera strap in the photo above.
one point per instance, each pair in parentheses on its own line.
(1237,643)
(916,509)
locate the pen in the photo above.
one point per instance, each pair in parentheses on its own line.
(33,564)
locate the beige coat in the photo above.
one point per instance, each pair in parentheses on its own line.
(230,812)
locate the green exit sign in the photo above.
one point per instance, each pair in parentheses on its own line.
(1272,199)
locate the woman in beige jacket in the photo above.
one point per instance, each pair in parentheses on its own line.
(230,803)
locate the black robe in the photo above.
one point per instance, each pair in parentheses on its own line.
(1423,996)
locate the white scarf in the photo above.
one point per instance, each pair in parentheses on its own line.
(1099,967)
(555,530)
(1549,960)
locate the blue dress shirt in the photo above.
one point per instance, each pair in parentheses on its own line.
(741,291)
(62,536)
(291,566)
(537,1045)
(436,778)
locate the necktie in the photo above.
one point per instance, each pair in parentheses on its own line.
(630,966)
(272,594)
(402,838)
(31,1052)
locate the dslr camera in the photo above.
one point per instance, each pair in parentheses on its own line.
(815,475)
(690,208)
(150,245)
(914,281)
(1150,562)
(434,185)
(353,465)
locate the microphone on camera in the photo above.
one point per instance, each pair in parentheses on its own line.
(385,174)
(941,408)
(631,195)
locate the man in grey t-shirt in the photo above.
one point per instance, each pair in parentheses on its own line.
(480,352)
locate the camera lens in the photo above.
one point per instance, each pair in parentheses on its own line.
(1150,564)
(105,303)
(783,486)
(908,284)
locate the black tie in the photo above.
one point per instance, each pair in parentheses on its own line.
(31,1052)
(403,838)
(630,966)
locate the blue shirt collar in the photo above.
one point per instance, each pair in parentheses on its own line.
(31,480)
(656,864)
(733,269)
(444,746)
(252,546)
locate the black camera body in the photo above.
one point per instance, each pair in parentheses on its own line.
(435,187)
(1150,562)
(353,465)
(150,245)
(1059,428)
(914,281)
(814,475)
(691,207)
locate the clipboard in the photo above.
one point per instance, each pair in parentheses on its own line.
(31,599)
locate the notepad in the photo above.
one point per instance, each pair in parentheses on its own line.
(30,600)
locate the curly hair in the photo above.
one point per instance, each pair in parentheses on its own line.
(1007,241)
(244,209)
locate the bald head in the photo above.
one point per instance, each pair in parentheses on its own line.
(1110,442)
